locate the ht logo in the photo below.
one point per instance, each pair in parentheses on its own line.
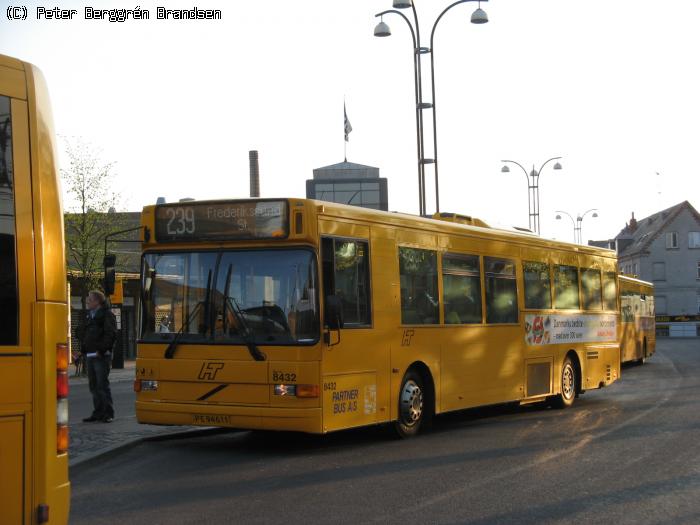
(209,370)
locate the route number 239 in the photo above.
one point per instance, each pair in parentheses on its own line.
(180,220)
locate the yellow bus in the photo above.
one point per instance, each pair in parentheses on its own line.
(637,320)
(303,315)
(34,485)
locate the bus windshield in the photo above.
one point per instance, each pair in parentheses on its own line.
(236,297)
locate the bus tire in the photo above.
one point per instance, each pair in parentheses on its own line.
(414,410)
(568,385)
(643,358)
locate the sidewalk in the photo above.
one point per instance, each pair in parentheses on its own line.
(89,441)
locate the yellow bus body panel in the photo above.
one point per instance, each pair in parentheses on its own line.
(28,460)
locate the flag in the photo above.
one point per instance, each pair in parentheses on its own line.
(348,127)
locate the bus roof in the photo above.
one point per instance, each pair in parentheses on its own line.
(448,223)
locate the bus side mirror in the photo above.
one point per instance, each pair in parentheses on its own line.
(110,262)
(334,312)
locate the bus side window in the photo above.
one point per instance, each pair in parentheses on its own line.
(538,293)
(566,287)
(346,275)
(461,285)
(8,262)
(591,288)
(501,291)
(419,286)
(609,291)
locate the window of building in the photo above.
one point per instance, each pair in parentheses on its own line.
(698,275)
(419,286)
(365,194)
(591,287)
(609,291)
(538,294)
(566,287)
(346,275)
(8,262)
(501,291)
(658,271)
(671,240)
(693,239)
(461,283)
(660,303)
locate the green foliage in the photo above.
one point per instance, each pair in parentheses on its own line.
(90,212)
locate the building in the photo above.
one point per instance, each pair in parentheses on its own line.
(664,249)
(349,183)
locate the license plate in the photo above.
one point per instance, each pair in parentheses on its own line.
(211,419)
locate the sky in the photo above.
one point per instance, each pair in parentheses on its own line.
(612,88)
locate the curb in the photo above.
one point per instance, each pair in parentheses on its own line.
(96,458)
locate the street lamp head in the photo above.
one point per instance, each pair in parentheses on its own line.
(382,29)
(557,166)
(479,16)
(505,169)
(402,4)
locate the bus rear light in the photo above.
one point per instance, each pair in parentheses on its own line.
(62,356)
(137,385)
(61,384)
(62,412)
(296,390)
(61,439)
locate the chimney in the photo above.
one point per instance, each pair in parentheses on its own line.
(633,224)
(254,173)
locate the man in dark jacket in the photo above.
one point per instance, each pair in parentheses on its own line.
(98,337)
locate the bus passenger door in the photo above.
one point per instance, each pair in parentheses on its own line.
(351,356)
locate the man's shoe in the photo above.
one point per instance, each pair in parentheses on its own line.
(107,419)
(90,419)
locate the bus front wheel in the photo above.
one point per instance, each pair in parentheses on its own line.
(569,386)
(413,408)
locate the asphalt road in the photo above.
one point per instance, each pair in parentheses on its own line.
(626,454)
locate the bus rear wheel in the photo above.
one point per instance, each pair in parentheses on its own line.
(414,411)
(643,357)
(569,386)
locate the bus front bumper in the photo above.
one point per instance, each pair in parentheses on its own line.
(241,417)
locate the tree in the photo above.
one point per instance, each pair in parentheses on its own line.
(90,216)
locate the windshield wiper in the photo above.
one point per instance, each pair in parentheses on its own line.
(243,328)
(172,347)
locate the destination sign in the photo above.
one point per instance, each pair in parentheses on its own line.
(221,220)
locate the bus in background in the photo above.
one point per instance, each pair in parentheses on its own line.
(638,321)
(34,485)
(302,315)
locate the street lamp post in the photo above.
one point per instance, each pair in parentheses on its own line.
(533,190)
(578,223)
(381,30)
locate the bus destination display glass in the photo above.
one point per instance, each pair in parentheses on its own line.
(222,220)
